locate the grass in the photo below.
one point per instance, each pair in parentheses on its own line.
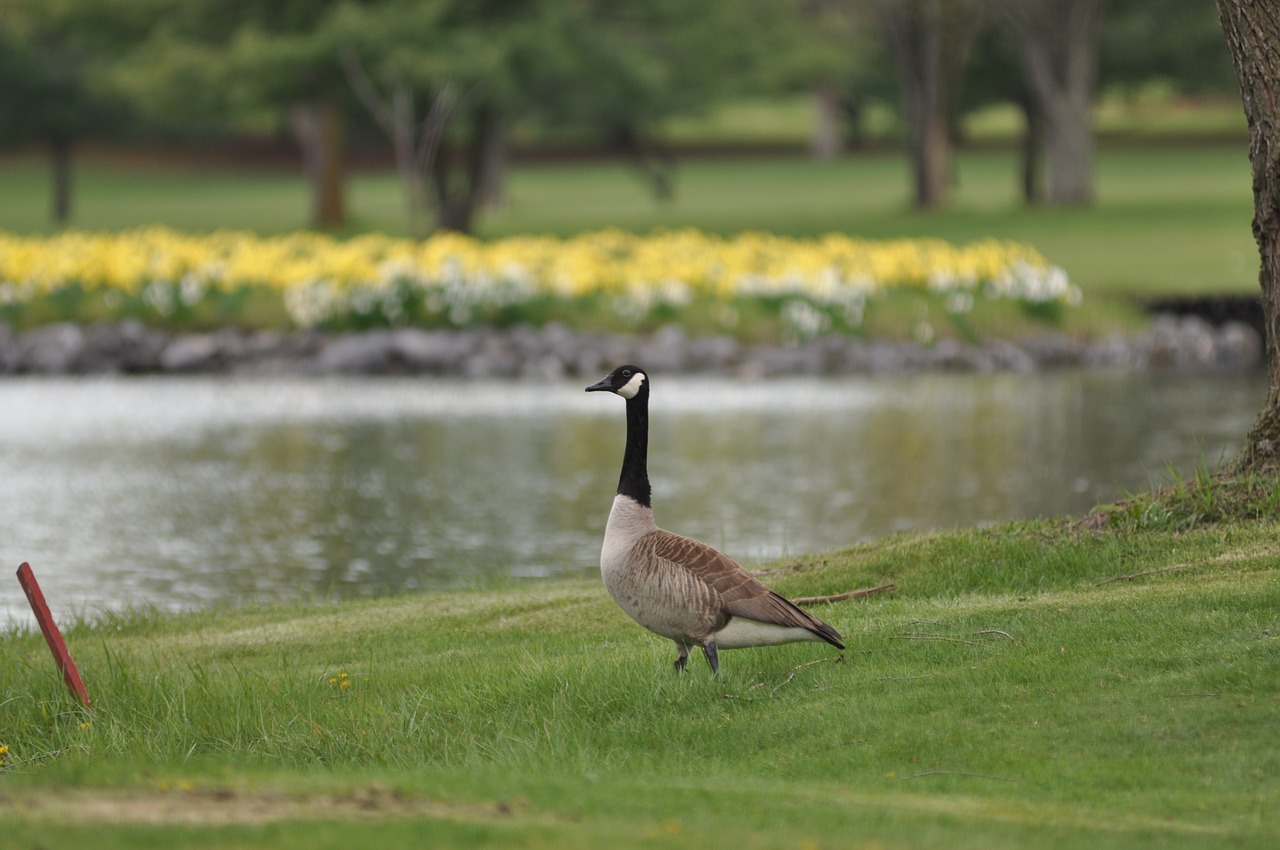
(1031,684)
(1167,221)
(1184,503)
(1104,684)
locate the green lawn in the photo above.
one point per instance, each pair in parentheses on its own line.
(1014,691)
(1166,221)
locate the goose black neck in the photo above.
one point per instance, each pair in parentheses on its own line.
(634,481)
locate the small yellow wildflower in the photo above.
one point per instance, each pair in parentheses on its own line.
(4,751)
(86,725)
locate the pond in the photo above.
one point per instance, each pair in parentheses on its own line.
(189,492)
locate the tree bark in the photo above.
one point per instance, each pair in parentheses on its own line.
(493,192)
(1253,36)
(1058,41)
(459,190)
(826,143)
(930,40)
(60,148)
(655,162)
(319,130)
(1032,151)
(417,142)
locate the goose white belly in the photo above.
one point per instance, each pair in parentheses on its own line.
(741,632)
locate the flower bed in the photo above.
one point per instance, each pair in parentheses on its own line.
(809,285)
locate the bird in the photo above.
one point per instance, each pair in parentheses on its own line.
(675,586)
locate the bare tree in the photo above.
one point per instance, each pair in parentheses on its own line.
(1253,36)
(930,40)
(415,139)
(461,169)
(1058,42)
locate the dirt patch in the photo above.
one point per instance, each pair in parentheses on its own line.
(225,806)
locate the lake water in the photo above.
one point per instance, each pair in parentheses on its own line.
(182,493)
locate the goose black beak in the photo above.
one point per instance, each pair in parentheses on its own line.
(602,385)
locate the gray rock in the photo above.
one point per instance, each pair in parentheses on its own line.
(548,367)
(191,353)
(435,352)
(1054,351)
(555,351)
(562,341)
(357,354)
(127,346)
(1008,357)
(1238,346)
(52,349)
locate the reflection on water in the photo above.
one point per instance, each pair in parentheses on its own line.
(187,492)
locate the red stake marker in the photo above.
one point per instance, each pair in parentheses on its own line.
(52,636)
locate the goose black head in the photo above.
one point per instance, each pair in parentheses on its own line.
(626,381)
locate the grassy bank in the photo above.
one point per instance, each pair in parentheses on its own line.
(1027,685)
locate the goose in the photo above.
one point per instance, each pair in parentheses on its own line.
(677,587)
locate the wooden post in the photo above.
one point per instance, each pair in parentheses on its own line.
(52,636)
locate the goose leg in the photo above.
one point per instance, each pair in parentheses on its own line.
(683,657)
(713,658)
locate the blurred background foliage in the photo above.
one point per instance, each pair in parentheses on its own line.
(449,93)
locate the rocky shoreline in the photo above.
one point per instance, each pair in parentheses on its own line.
(1172,342)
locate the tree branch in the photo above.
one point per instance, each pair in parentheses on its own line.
(838,597)
(365,90)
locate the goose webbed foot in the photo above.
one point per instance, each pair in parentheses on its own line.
(682,658)
(713,657)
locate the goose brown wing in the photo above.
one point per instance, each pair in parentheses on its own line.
(741,594)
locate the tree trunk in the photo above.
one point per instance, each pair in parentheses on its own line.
(1253,36)
(930,40)
(320,133)
(855,119)
(931,156)
(1058,40)
(1032,151)
(493,189)
(459,180)
(1070,130)
(60,160)
(826,141)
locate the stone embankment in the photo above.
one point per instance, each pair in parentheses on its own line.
(1172,342)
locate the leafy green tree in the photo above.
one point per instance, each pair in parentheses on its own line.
(833,50)
(228,58)
(1178,42)
(51,86)
(439,77)
(444,78)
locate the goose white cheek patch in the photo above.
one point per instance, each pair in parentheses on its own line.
(632,387)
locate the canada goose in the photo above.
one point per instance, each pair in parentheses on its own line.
(677,587)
